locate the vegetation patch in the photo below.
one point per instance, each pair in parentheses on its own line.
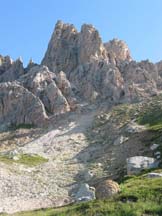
(22,126)
(151,114)
(26,159)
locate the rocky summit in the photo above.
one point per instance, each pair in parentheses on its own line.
(75,124)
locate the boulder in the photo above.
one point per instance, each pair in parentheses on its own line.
(107,189)
(154,146)
(157,155)
(138,163)
(85,193)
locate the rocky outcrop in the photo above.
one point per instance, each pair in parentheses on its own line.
(78,65)
(57,98)
(10,70)
(62,52)
(54,101)
(117,51)
(90,46)
(67,48)
(19,106)
(5,63)
(101,81)
(107,189)
(106,71)
(66,89)
(37,79)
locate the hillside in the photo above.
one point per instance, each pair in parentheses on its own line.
(76,121)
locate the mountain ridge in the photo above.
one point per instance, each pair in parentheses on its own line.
(74,120)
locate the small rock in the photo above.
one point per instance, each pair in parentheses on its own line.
(157,153)
(120,140)
(154,146)
(16,158)
(99,164)
(88,175)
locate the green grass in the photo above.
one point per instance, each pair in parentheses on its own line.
(151,114)
(29,160)
(22,126)
(139,195)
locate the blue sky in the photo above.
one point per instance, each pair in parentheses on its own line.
(26,26)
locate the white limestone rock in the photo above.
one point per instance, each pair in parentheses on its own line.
(138,163)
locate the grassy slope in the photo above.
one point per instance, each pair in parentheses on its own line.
(139,196)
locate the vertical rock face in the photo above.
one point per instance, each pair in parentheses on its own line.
(90,46)
(66,89)
(42,83)
(98,80)
(54,101)
(61,54)
(19,106)
(117,51)
(68,48)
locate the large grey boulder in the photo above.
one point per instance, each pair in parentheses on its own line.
(138,163)
(20,106)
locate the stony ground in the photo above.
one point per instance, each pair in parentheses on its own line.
(48,184)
